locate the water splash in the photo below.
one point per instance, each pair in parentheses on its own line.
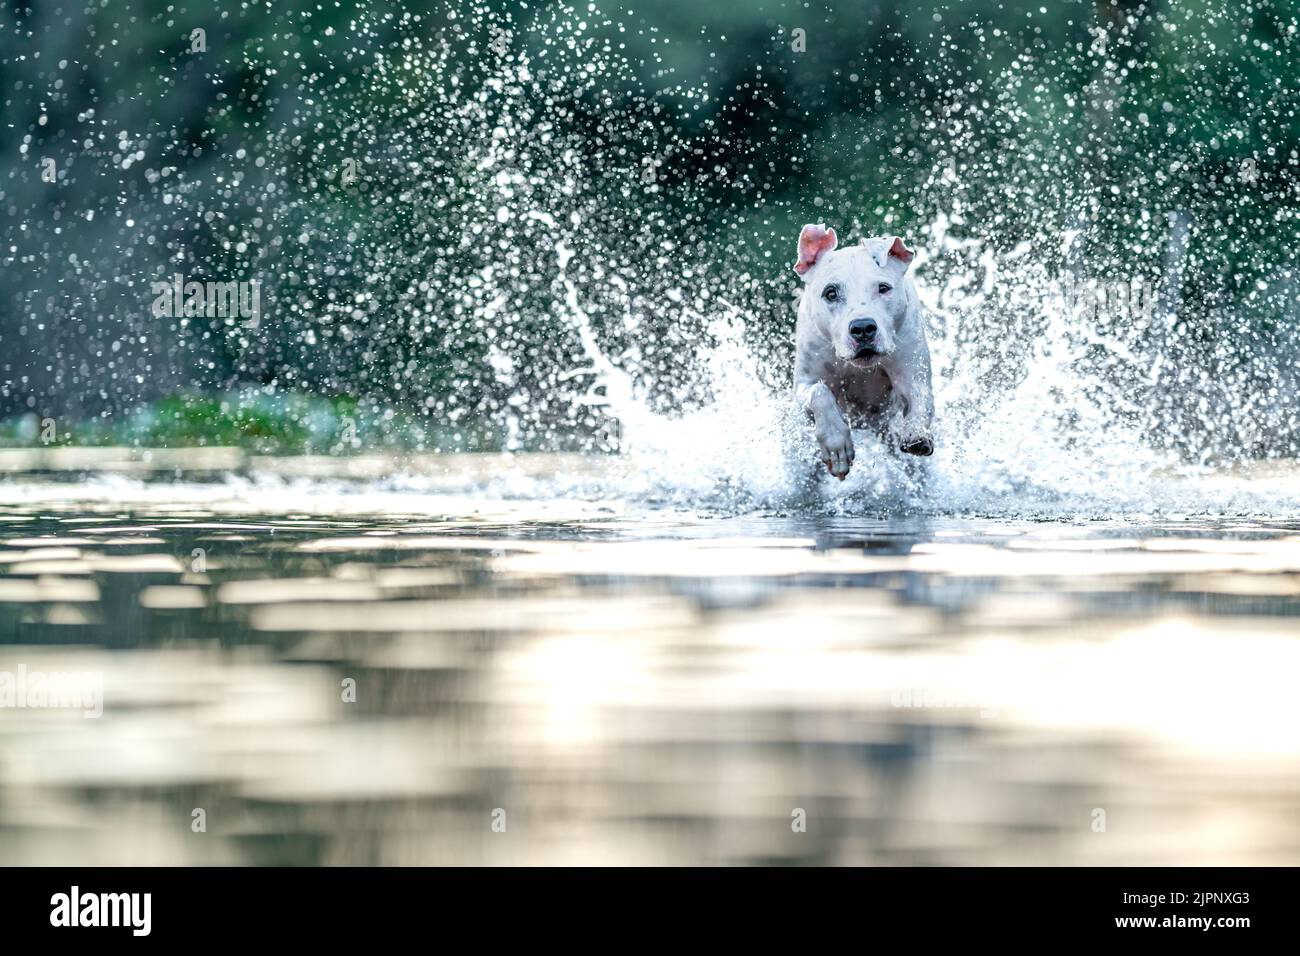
(668,348)
(1045,440)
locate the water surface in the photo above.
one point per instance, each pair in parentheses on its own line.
(364,672)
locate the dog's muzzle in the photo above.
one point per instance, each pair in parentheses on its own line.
(862,336)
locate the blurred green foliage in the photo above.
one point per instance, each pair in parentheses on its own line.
(267,424)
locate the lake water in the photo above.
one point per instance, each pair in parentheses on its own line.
(448,671)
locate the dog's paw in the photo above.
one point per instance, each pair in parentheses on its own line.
(918,445)
(837,450)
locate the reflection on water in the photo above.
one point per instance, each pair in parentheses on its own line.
(653,687)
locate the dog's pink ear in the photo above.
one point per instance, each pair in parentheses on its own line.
(814,241)
(900,252)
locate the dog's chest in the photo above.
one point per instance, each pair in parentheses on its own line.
(860,391)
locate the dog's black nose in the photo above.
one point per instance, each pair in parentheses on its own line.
(862,330)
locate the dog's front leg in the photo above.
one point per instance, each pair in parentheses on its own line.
(914,428)
(831,430)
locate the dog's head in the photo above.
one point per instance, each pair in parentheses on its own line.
(855,296)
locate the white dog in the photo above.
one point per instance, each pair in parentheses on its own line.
(861,358)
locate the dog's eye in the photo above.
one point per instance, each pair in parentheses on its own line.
(884,288)
(831,293)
